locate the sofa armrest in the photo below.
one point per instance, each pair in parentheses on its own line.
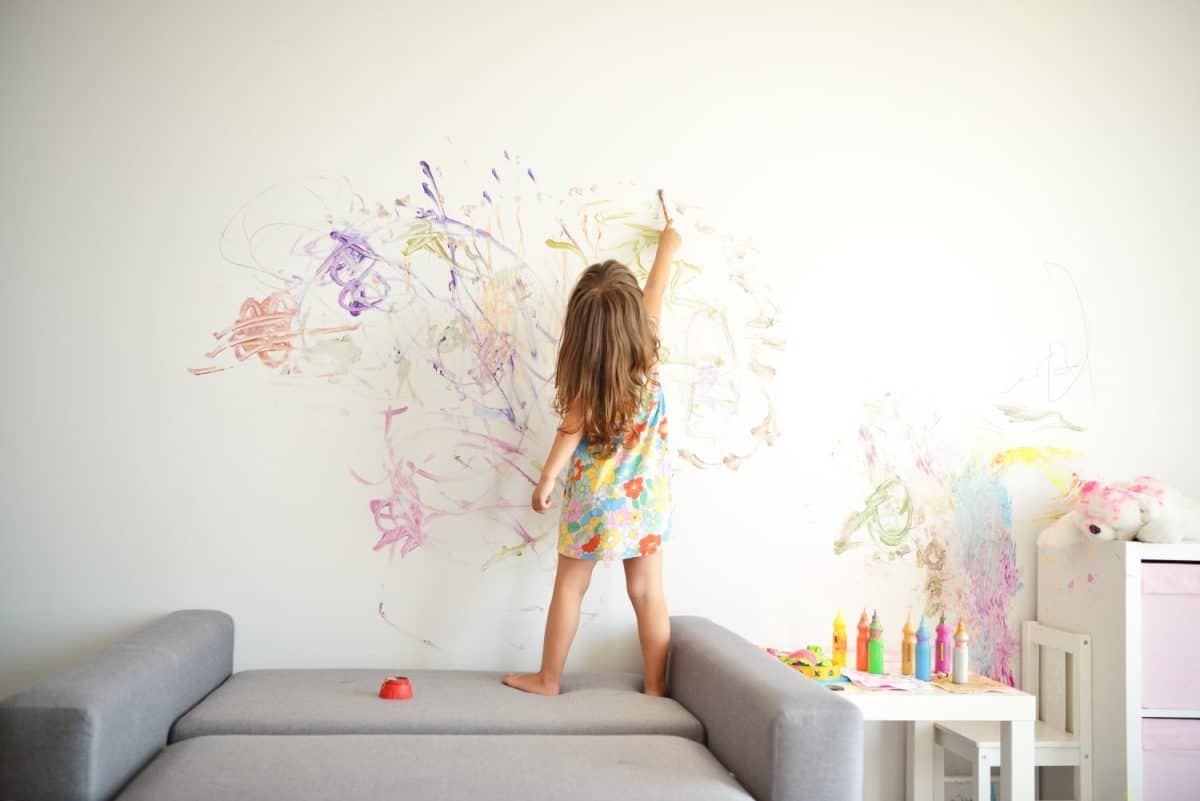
(785,737)
(81,734)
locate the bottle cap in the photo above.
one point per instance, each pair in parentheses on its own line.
(396,688)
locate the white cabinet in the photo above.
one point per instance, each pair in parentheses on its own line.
(1141,604)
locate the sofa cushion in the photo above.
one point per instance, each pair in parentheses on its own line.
(435,768)
(443,702)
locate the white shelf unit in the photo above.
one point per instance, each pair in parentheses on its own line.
(1097,588)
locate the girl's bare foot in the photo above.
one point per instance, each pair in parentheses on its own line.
(534,683)
(656,691)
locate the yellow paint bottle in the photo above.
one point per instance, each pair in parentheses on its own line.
(839,640)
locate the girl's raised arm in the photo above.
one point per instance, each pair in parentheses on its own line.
(656,283)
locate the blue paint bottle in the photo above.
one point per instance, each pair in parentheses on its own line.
(924,669)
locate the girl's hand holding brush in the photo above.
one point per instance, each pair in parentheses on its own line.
(669,239)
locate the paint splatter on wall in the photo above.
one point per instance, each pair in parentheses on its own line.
(989,578)
(937,493)
(442,311)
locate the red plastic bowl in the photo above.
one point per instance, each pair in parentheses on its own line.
(396,688)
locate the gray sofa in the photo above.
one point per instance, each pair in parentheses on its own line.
(159,718)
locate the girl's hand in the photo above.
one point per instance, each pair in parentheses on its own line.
(541,496)
(669,239)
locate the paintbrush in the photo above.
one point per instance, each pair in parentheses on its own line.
(663,203)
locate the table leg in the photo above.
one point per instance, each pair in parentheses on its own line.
(939,773)
(918,747)
(981,777)
(1016,760)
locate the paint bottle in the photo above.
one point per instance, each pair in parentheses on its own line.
(839,640)
(908,647)
(941,648)
(924,661)
(961,673)
(861,643)
(875,645)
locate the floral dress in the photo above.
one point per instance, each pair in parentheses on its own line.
(620,507)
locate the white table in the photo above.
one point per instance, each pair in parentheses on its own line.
(1016,712)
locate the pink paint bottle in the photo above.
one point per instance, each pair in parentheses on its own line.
(943,648)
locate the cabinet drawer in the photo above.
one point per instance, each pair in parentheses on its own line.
(1170,635)
(1170,759)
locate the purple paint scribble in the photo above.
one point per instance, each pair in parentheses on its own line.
(351,265)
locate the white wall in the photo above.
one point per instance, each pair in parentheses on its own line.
(907,173)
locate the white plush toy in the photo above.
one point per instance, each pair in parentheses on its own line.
(1144,509)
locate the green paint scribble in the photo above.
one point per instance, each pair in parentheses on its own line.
(572,247)
(886,514)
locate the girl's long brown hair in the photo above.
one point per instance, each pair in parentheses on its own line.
(607,351)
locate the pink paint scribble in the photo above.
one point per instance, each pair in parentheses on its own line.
(388,414)
(401,517)
(983,522)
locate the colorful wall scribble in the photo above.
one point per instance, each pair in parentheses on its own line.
(938,494)
(444,312)
(439,312)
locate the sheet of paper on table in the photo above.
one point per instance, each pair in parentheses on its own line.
(883,681)
(892,681)
(975,684)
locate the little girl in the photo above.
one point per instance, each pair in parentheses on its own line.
(613,442)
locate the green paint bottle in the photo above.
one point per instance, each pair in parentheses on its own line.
(875,645)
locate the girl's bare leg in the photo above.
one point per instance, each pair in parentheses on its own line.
(643,579)
(570,583)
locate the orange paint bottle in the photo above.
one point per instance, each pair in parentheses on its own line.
(863,639)
(908,648)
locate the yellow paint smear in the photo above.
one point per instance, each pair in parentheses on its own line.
(1048,461)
